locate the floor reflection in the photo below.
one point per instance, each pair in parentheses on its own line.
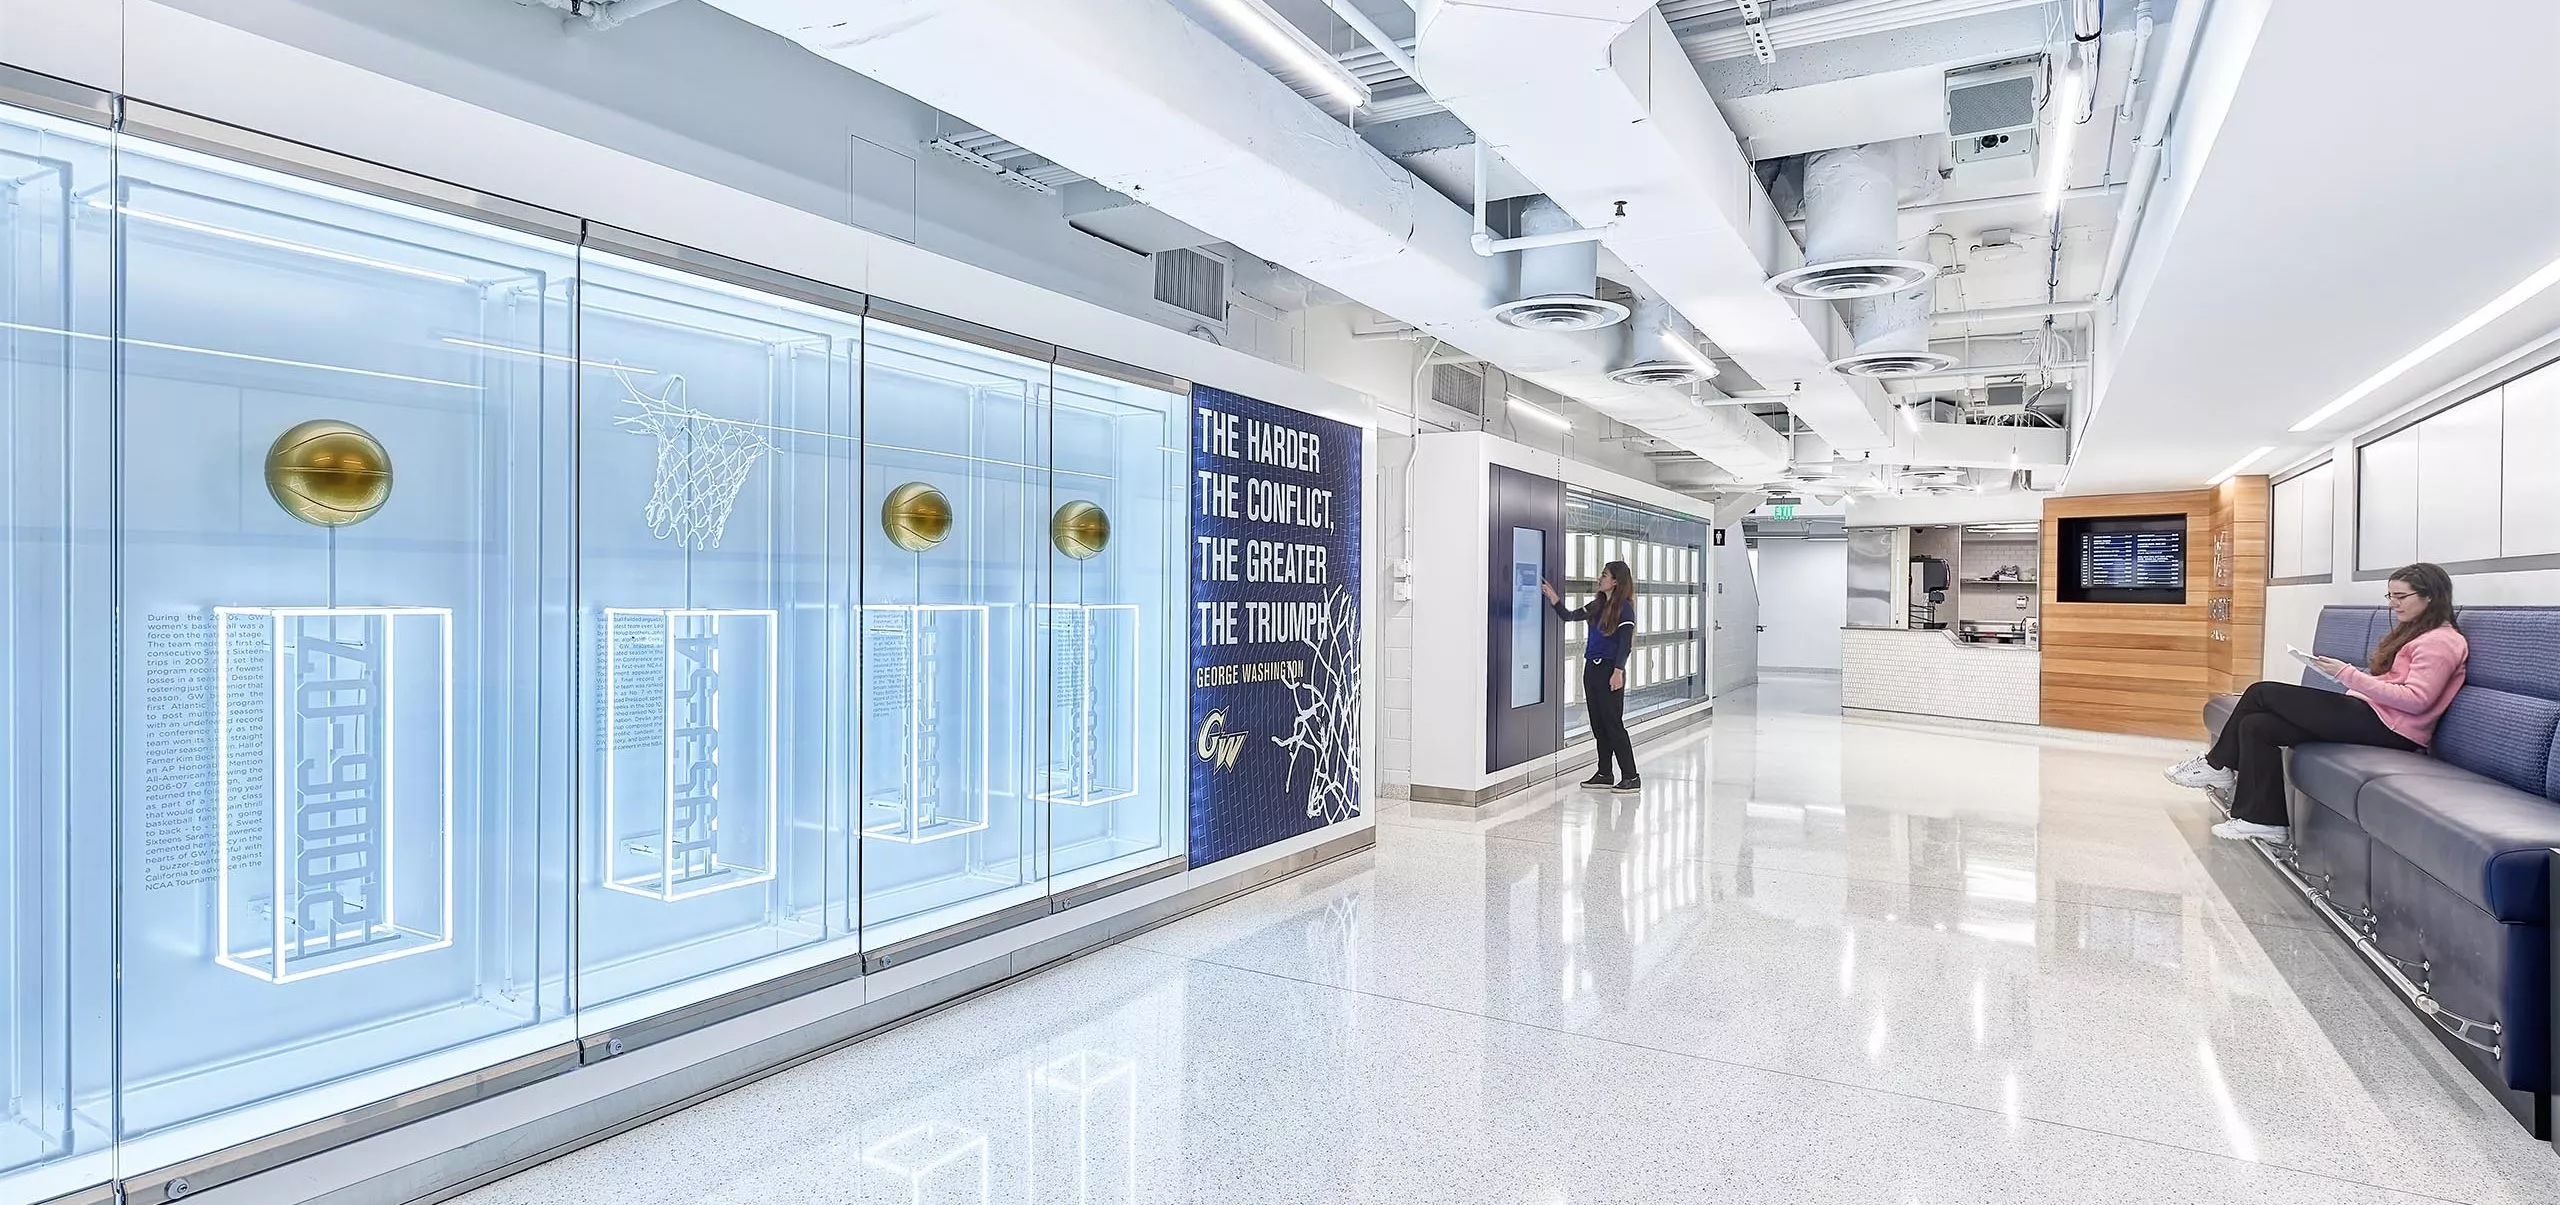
(1819,959)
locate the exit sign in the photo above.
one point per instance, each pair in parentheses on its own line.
(1785,510)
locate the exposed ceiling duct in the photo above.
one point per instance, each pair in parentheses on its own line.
(1658,353)
(1852,236)
(1597,103)
(1135,96)
(1559,281)
(1889,335)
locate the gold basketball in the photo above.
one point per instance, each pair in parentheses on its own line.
(328,473)
(1080,529)
(916,516)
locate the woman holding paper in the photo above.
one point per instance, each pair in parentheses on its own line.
(2394,705)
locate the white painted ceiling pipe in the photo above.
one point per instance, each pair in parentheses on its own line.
(2155,133)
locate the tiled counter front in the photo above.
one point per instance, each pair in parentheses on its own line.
(1926,673)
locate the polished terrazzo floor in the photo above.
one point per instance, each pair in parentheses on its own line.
(1821,959)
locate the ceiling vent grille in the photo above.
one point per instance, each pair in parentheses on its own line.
(1192,282)
(1891,336)
(1852,241)
(1654,354)
(1559,285)
(1458,386)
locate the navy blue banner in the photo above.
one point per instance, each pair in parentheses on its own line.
(1275,623)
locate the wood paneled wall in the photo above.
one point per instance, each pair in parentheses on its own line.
(2117,667)
(2239,624)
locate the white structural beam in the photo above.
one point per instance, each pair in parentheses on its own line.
(1135,96)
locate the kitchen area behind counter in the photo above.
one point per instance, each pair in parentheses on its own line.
(1942,621)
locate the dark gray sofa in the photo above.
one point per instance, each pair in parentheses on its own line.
(2439,867)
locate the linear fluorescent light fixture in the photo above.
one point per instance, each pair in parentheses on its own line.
(2065,128)
(2525,290)
(1278,36)
(1541,413)
(2242,463)
(1689,352)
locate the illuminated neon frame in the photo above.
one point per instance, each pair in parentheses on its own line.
(1082,1077)
(664,890)
(1084,795)
(956,1143)
(905,830)
(275,618)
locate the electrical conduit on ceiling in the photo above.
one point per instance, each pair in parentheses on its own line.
(1134,95)
(1595,101)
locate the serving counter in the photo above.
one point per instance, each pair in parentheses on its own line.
(1928,672)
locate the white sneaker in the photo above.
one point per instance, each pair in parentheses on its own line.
(2243,830)
(2193,772)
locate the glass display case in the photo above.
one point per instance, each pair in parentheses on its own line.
(56,954)
(344,430)
(1115,656)
(427,641)
(955,570)
(717,474)
(1666,554)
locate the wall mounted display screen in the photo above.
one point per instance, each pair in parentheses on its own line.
(1528,616)
(1275,600)
(2136,559)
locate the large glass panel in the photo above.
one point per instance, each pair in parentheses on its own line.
(1662,550)
(717,472)
(56,979)
(955,560)
(1116,527)
(345,534)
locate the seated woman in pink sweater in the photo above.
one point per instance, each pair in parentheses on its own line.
(2416,671)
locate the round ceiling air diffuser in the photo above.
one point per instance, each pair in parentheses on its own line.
(1559,312)
(1852,238)
(1889,336)
(1658,372)
(1893,363)
(1842,280)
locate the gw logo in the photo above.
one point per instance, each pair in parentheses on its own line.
(1218,746)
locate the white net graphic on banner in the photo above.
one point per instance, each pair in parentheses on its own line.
(703,463)
(1326,731)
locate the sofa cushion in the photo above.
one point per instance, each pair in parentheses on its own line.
(2501,735)
(2335,775)
(2513,650)
(2346,633)
(2217,712)
(2487,841)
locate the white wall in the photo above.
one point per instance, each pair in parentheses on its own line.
(2293,612)
(1804,602)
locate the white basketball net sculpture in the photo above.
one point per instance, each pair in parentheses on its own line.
(703,462)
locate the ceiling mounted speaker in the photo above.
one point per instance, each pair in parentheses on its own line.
(1889,336)
(1559,285)
(1852,242)
(328,473)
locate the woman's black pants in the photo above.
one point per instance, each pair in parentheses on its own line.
(1608,720)
(2275,716)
